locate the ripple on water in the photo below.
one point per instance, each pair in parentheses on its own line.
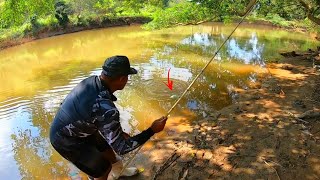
(11,106)
(155,89)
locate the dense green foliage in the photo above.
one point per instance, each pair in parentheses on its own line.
(182,13)
(284,9)
(20,17)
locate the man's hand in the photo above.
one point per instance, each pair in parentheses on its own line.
(159,124)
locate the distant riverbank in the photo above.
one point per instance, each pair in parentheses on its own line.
(49,31)
(45,32)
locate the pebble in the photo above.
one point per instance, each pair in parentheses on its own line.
(200,154)
(207,155)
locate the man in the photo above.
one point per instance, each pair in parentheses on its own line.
(86,129)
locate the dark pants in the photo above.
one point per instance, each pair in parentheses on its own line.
(85,153)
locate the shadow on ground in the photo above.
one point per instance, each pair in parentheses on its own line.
(259,137)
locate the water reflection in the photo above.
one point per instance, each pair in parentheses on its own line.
(250,53)
(30,96)
(202,39)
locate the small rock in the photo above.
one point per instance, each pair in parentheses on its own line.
(200,154)
(207,155)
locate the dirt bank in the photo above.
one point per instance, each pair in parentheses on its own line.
(272,132)
(48,32)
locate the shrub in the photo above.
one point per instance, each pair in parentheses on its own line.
(184,13)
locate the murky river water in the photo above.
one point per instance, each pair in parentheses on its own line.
(35,78)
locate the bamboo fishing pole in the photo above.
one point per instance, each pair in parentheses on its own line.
(248,10)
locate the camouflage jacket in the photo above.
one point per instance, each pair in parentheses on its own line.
(89,109)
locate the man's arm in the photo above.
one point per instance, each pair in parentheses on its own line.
(107,122)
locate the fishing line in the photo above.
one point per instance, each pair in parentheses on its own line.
(249,8)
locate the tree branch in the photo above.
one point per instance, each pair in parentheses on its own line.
(311,16)
(251,3)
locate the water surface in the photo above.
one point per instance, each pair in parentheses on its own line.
(35,78)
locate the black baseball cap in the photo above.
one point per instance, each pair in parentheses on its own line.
(117,66)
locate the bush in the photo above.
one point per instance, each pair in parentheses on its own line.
(50,21)
(276,19)
(183,13)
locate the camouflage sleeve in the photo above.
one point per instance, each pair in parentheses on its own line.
(109,126)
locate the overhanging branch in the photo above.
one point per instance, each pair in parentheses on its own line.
(311,16)
(251,3)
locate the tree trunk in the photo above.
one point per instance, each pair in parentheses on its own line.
(314,19)
(309,10)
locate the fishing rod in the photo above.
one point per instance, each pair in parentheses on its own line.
(246,13)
